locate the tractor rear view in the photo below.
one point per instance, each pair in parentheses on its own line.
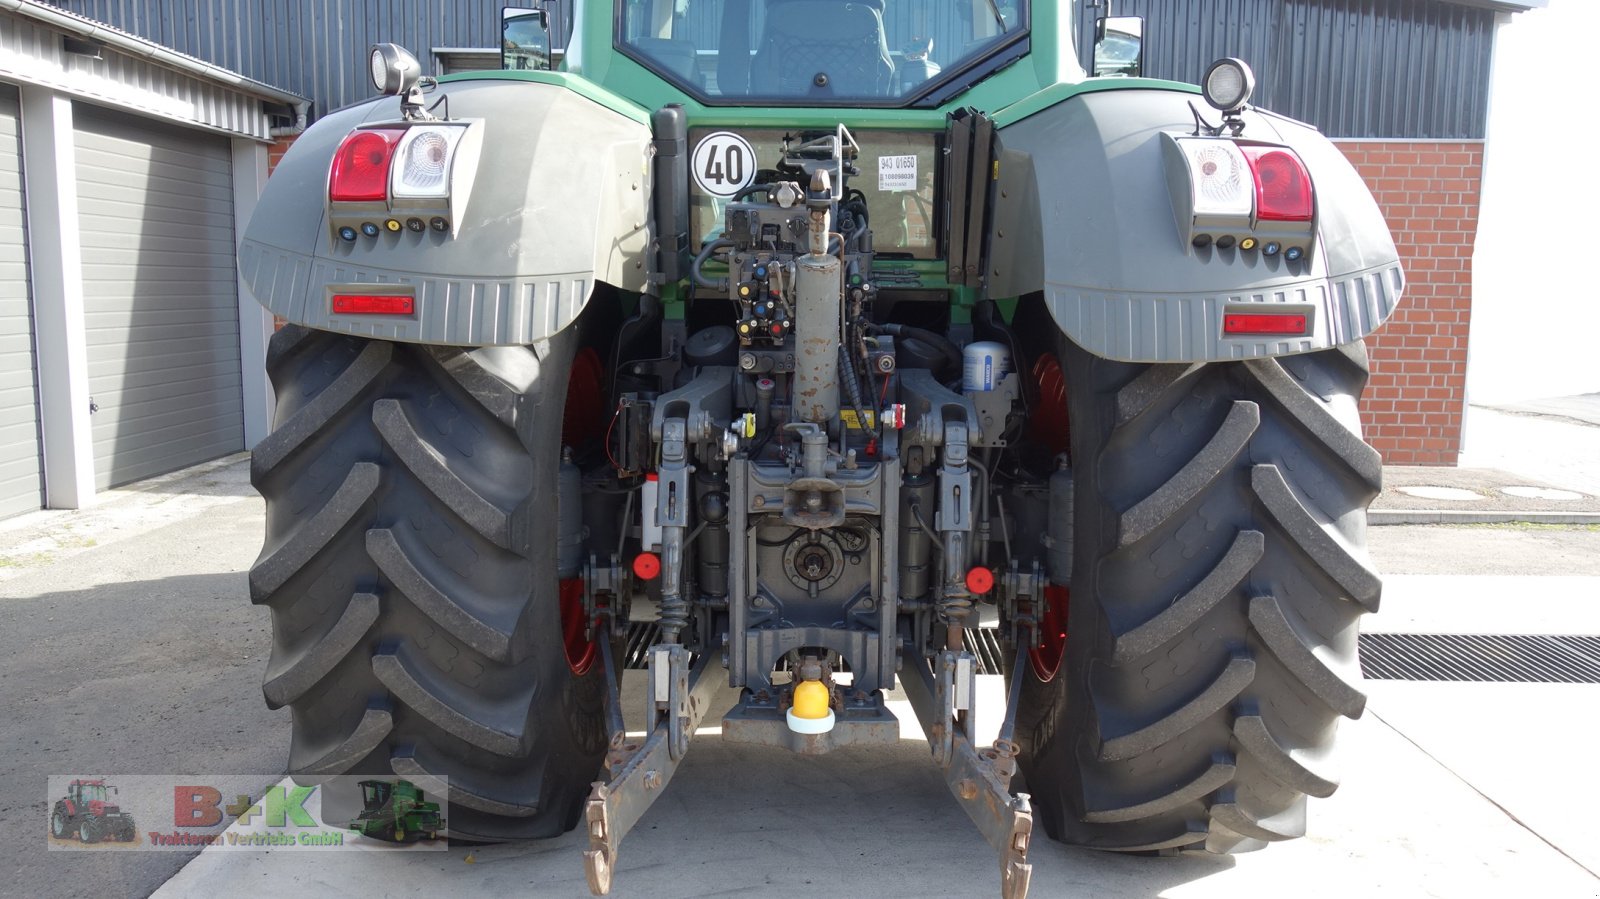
(829,342)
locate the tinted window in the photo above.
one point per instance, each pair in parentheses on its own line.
(816,51)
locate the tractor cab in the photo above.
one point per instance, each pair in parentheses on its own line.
(375,794)
(88,792)
(819,52)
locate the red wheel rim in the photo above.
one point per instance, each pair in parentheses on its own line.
(580,648)
(1049,421)
(584,418)
(1046,657)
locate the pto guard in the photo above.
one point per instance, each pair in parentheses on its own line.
(547,217)
(1121,279)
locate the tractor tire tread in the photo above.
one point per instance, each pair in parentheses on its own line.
(1219,577)
(414,602)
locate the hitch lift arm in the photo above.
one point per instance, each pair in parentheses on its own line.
(942,697)
(638,773)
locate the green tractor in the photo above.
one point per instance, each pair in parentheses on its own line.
(394,811)
(825,339)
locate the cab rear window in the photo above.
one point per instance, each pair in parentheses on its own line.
(816,52)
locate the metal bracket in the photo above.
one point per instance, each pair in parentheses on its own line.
(1023,622)
(669,695)
(679,696)
(954,686)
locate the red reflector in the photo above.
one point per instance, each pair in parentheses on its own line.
(361,167)
(1264,323)
(980,580)
(647,566)
(365,304)
(1283,187)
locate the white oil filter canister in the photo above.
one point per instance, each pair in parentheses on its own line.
(984,365)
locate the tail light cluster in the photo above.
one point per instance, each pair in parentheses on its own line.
(398,178)
(1235,195)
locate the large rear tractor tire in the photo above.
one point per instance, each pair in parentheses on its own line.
(1219,575)
(419,625)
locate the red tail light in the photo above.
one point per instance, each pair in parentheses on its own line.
(369,304)
(361,167)
(1283,187)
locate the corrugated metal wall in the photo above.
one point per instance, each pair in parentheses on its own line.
(315,48)
(1354,68)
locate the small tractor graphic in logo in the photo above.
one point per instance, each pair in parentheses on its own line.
(396,813)
(86,814)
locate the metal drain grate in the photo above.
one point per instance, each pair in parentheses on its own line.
(984,641)
(1517,658)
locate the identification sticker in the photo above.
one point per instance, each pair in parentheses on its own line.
(848,416)
(897,173)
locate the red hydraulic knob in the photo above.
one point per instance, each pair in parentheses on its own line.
(647,566)
(980,580)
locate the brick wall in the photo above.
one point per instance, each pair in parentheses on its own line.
(1428,191)
(275,152)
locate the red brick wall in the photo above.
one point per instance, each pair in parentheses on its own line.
(1428,191)
(275,152)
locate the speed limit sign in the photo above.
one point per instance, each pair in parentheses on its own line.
(723,164)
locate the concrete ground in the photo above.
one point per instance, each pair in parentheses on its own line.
(127,645)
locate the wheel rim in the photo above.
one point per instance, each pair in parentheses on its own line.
(1049,422)
(58,825)
(1046,657)
(583,419)
(581,648)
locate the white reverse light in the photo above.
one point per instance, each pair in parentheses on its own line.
(1219,178)
(422,161)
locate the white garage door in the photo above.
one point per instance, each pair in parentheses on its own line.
(19,408)
(161,308)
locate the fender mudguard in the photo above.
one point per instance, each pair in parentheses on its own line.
(1083,213)
(559,201)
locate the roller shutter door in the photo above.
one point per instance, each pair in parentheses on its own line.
(155,206)
(20,482)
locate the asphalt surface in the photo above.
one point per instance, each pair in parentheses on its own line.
(128,646)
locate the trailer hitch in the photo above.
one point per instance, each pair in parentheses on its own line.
(942,695)
(638,773)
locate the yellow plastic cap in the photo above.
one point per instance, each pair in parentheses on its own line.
(810,699)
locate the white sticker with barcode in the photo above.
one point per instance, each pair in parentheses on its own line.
(897,172)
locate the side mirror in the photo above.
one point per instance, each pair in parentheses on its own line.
(1119,46)
(524,39)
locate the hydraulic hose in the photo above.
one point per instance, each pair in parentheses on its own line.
(852,384)
(937,340)
(720,285)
